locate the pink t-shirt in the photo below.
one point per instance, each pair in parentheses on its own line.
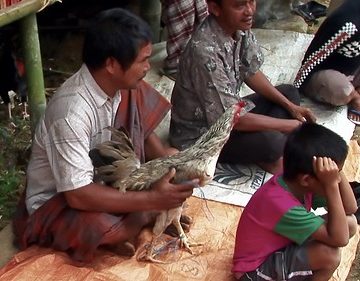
(273,219)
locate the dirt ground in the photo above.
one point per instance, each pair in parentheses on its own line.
(354,274)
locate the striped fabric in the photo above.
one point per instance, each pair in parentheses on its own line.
(333,44)
(56,225)
(140,111)
(180,17)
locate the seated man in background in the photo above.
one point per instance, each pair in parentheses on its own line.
(283,239)
(64,208)
(222,55)
(330,71)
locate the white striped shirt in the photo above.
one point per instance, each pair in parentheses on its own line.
(72,125)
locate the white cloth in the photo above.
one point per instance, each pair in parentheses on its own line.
(73,123)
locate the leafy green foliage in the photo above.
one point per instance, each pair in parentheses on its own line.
(15,142)
(10,185)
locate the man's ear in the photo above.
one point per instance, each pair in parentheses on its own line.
(214,8)
(111,64)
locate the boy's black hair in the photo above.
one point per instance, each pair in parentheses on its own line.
(115,33)
(307,141)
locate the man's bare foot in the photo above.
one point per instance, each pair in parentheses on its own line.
(128,228)
(185,222)
(126,249)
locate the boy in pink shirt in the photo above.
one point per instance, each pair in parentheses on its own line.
(278,237)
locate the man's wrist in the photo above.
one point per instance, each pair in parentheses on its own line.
(151,198)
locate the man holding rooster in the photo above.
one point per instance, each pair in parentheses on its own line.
(63,207)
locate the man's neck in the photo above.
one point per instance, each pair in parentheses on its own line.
(102,78)
(227,31)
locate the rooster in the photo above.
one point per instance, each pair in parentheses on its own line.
(198,161)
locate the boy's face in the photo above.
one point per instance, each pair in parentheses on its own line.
(234,15)
(316,187)
(129,78)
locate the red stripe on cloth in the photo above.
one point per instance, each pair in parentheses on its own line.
(140,111)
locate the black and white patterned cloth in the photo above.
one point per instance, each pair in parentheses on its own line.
(350,50)
(336,45)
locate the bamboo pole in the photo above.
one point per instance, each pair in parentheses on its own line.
(33,66)
(22,9)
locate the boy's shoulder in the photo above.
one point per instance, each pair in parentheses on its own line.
(274,194)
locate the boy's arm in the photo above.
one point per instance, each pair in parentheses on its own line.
(347,195)
(335,232)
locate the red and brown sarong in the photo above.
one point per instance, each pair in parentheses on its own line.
(56,225)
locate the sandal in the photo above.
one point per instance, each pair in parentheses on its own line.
(354,116)
(310,11)
(170,73)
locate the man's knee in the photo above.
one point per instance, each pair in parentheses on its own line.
(290,92)
(274,145)
(329,86)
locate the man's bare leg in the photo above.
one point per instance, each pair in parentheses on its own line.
(121,237)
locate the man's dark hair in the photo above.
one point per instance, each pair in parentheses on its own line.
(307,141)
(115,33)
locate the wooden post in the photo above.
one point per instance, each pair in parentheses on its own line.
(22,9)
(33,67)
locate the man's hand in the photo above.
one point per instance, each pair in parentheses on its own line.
(327,172)
(302,114)
(166,195)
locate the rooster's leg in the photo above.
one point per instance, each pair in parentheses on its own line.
(25,113)
(184,242)
(9,111)
(151,252)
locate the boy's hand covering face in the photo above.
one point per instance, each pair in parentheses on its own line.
(326,171)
